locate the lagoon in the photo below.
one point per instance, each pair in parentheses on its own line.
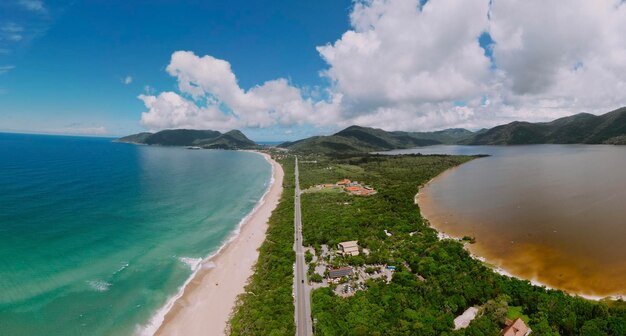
(553,214)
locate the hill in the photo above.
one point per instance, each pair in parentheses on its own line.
(186,137)
(138,138)
(583,128)
(228,140)
(366,139)
(451,136)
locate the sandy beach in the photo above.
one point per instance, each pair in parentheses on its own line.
(208,298)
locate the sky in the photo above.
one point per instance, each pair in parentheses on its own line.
(284,70)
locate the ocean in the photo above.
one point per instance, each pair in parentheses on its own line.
(96,236)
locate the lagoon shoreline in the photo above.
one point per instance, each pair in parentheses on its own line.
(497,269)
(206,301)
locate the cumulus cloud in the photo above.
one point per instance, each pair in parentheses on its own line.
(127,80)
(210,97)
(569,57)
(404,65)
(399,53)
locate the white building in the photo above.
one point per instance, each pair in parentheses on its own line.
(349,248)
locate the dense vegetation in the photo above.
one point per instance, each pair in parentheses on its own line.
(355,139)
(436,280)
(585,128)
(266,308)
(138,138)
(609,128)
(202,138)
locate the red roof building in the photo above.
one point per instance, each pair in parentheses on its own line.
(343,182)
(516,328)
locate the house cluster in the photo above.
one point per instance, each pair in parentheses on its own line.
(352,187)
(347,280)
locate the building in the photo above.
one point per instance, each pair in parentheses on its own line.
(462,321)
(340,272)
(516,328)
(343,182)
(353,189)
(349,248)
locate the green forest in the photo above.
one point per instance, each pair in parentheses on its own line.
(435,280)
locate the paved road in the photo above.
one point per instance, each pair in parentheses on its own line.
(301,289)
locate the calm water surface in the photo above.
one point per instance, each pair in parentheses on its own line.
(555,214)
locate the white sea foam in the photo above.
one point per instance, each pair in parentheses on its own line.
(191,262)
(208,265)
(99,285)
(121,268)
(157,319)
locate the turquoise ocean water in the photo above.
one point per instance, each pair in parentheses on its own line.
(95,236)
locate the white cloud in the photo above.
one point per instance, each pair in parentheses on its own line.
(12,32)
(569,58)
(12,27)
(33,5)
(14,37)
(127,80)
(403,66)
(148,90)
(6,68)
(398,54)
(212,98)
(406,67)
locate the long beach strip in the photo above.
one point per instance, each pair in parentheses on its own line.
(208,298)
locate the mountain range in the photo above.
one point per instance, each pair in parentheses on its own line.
(583,128)
(366,139)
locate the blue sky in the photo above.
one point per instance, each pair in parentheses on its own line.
(68,74)
(283,70)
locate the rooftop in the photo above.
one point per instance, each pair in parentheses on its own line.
(340,272)
(350,243)
(516,328)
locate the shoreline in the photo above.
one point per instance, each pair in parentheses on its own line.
(204,303)
(497,269)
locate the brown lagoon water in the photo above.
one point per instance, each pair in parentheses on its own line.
(554,214)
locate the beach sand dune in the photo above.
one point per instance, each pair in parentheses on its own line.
(209,298)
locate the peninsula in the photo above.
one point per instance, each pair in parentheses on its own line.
(400,277)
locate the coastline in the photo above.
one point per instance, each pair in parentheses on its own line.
(205,302)
(497,269)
